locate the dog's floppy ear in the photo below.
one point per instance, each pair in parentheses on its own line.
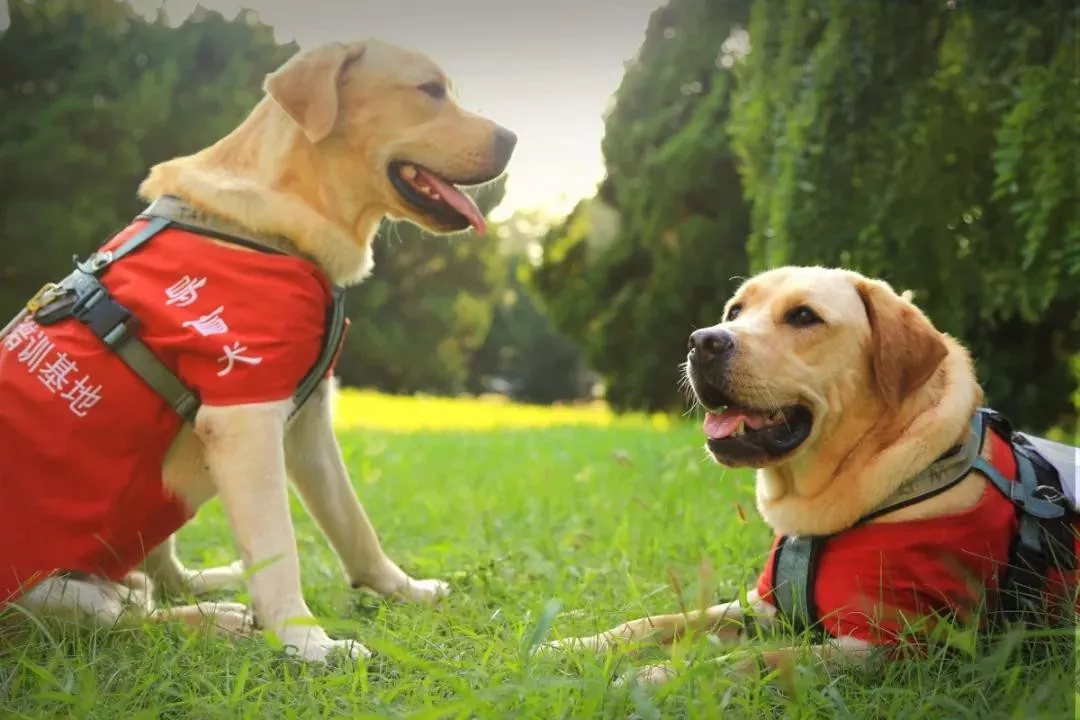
(306,87)
(905,348)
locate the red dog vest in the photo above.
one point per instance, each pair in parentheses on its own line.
(874,580)
(83,439)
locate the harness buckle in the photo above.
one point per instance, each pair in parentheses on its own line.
(57,309)
(110,321)
(96,262)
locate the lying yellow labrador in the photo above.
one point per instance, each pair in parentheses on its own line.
(876,469)
(169,368)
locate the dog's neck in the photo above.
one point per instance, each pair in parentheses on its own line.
(829,489)
(264,177)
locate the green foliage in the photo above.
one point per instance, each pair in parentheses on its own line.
(417,321)
(633,291)
(93,95)
(937,148)
(936,145)
(536,363)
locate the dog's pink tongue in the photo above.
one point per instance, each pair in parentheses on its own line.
(456,199)
(721,425)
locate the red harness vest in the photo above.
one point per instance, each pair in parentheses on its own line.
(873,580)
(83,438)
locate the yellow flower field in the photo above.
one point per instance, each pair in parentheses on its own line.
(366,409)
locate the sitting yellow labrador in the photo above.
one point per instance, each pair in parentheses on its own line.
(893,496)
(191,356)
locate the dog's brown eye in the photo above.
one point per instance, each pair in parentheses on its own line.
(434,90)
(802,316)
(733,312)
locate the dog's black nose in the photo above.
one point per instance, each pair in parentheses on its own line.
(711,343)
(505,142)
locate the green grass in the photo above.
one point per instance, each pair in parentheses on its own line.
(552,531)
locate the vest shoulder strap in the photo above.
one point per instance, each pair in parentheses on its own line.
(336,323)
(794,571)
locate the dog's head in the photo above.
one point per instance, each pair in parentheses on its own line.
(382,129)
(800,352)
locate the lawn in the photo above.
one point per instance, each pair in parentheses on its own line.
(547,521)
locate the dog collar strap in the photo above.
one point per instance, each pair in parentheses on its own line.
(942,474)
(183,216)
(794,571)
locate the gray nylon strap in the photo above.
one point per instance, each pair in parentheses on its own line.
(176,210)
(145,364)
(134,353)
(334,331)
(792,581)
(136,241)
(1024,492)
(939,476)
(1029,525)
(19,317)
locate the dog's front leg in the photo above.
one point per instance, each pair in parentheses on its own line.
(318,472)
(726,621)
(174,580)
(244,450)
(836,653)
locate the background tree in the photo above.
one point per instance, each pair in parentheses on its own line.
(428,306)
(92,96)
(524,356)
(935,145)
(631,273)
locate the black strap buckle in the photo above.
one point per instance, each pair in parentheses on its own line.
(57,309)
(998,422)
(106,318)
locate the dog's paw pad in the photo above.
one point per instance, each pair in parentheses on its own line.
(237,623)
(330,652)
(347,650)
(424,591)
(647,675)
(593,644)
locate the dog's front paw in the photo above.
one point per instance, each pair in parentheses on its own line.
(593,643)
(315,646)
(650,675)
(425,592)
(237,623)
(392,582)
(204,582)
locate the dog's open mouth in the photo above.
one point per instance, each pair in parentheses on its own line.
(743,435)
(436,197)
